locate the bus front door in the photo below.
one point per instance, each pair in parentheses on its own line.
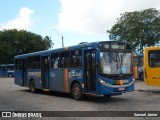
(45,71)
(24,82)
(89,70)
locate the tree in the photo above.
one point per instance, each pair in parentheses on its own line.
(48,42)
(14,42)
(140,28)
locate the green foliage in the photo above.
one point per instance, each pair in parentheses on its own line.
(14,42)
(140,28)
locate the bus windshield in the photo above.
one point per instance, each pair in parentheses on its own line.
(115,63)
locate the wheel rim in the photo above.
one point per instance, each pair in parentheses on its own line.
(76,91)
(32,89)
(142,76)
(10,75)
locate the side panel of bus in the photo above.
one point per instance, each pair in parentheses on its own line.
(152,67)
(18,77)
(57,79)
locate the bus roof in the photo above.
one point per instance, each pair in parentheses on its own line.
(81,45)
(153,48)
(7,65)
(58,49)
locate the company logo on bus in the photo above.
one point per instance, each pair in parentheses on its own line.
(74,73)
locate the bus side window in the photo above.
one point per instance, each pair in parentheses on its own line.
(9,67)
(154,59)
(30,62)
(157,63)
(64,59)
(18,64)
(56,63)
(78,61)
(140,61)
(37,62)
(55,60)
(4,68)
(76,57)
(152,62)
(72,60)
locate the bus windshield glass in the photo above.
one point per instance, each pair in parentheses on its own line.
(115,62)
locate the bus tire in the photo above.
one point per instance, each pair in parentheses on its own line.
(10,75)
(107,96)
(32,86)
(77,91)
(141,76)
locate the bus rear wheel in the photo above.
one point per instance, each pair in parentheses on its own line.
(141,76)
(32,86)
(77,91)
(107,96)
(10,75)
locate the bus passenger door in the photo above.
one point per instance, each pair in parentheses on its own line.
(24,82)
(89,69)
(45,60)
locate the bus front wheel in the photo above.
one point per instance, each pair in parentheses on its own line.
(77,91)
(32,86)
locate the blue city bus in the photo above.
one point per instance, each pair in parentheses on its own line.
(7,70)
(97,68)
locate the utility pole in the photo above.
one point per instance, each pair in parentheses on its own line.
(61,36)
(62,42)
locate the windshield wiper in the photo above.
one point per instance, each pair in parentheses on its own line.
(113,57)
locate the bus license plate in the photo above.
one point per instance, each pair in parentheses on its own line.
(125,81)
(121,89)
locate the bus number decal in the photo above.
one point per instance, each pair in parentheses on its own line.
(37,74)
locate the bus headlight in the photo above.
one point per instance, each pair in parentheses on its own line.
(103,82)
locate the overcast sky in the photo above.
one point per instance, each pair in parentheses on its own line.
(76,20)
(95,16)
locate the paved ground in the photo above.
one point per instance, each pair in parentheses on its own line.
(16,98)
